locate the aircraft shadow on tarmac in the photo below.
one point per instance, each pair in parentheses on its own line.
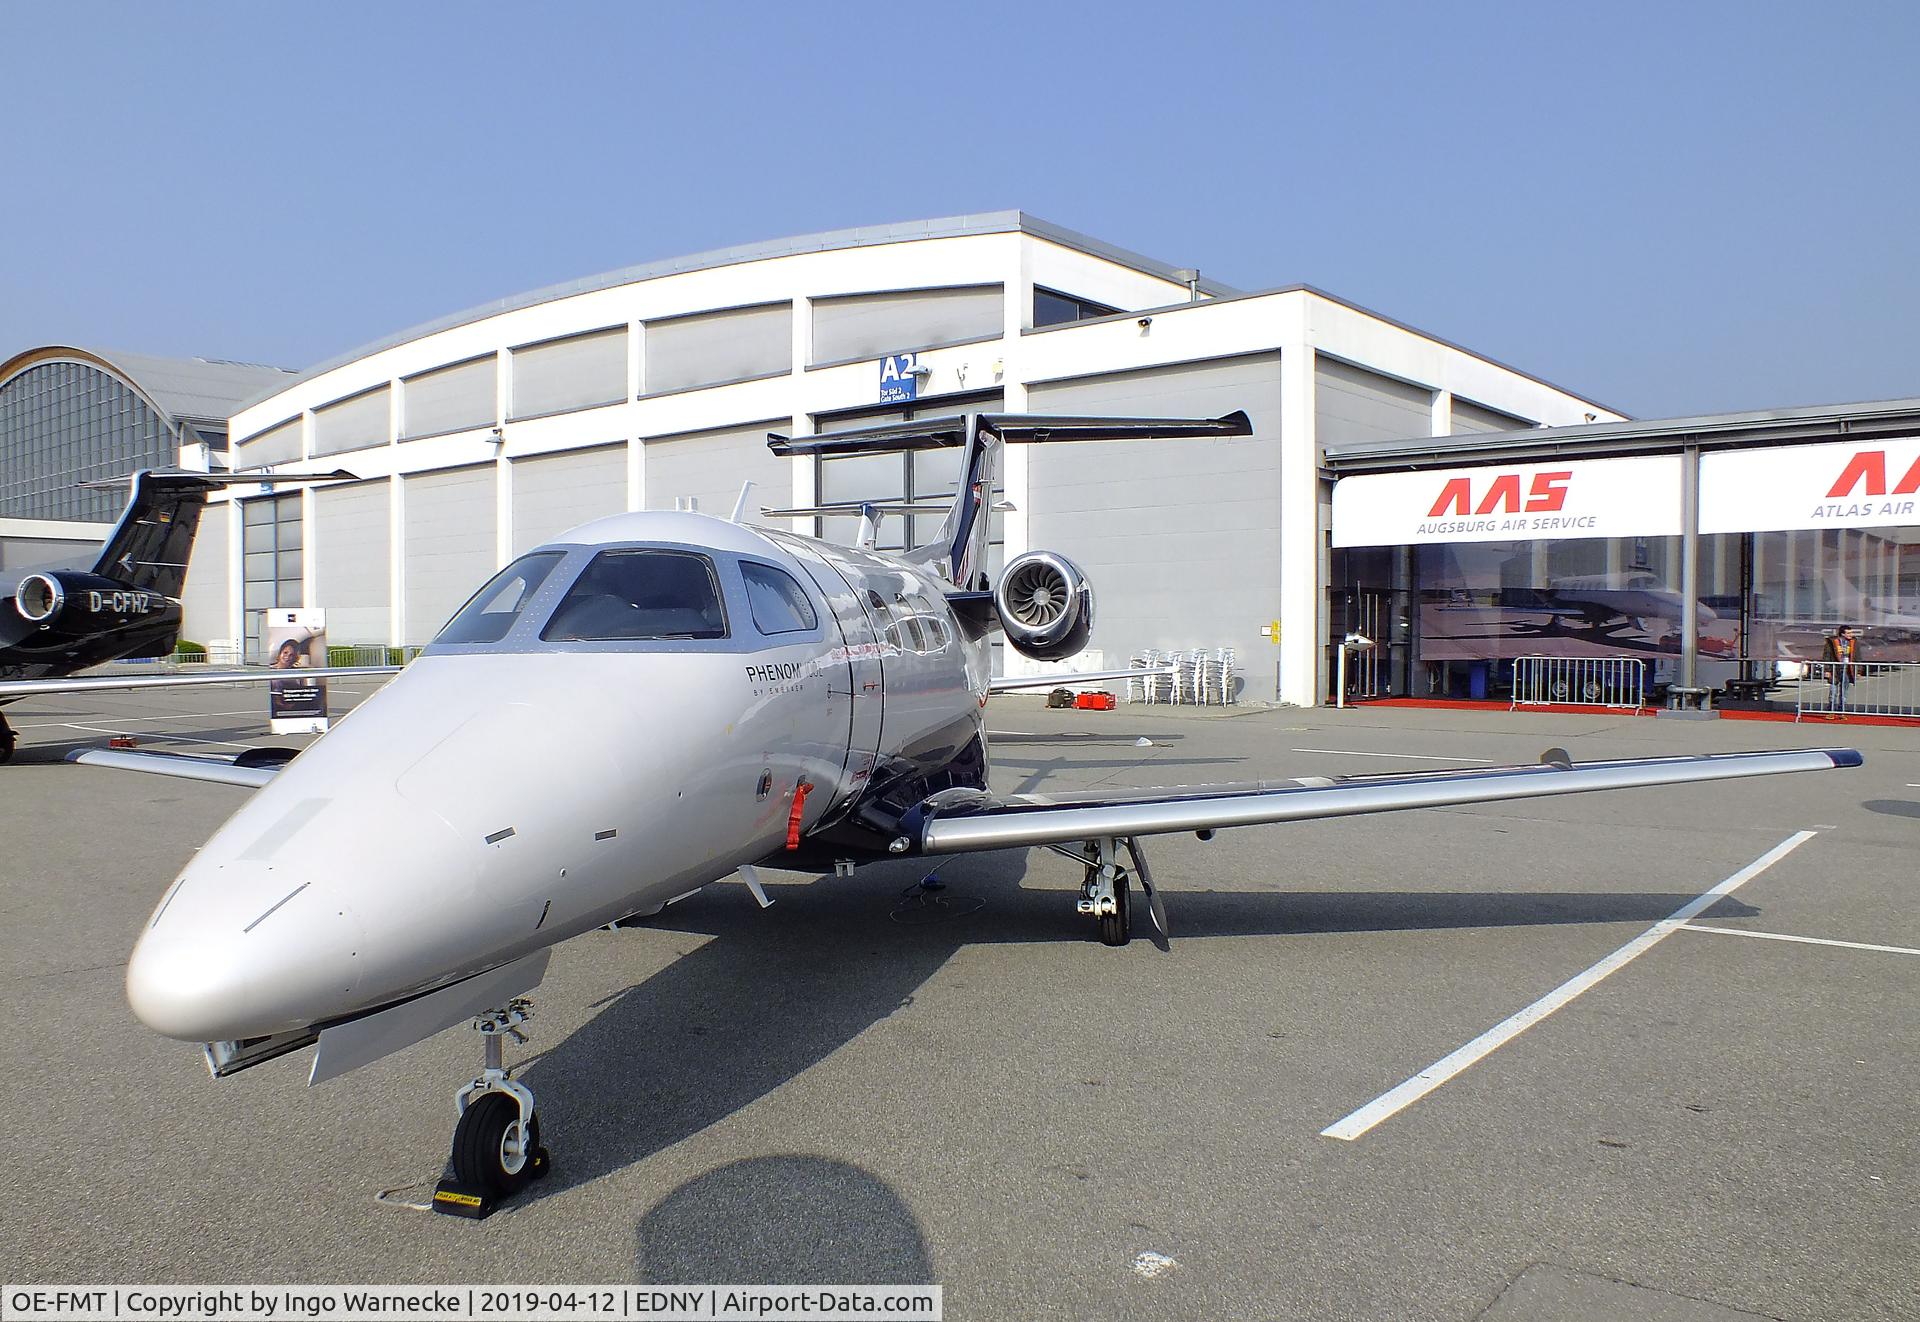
(799,1220)
(776,993)
(1893,807)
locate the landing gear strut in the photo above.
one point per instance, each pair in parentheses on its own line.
(1105,895)
(496,1145)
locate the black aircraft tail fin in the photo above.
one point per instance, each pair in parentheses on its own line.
(148,548)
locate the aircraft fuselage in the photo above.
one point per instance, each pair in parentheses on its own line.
(501,796)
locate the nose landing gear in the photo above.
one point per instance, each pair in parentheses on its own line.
(496,1145)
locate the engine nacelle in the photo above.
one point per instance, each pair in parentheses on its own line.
(67,602)
(1045,605)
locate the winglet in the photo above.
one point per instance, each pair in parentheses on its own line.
(1558,758)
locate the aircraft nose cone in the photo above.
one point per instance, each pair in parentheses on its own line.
(184,990)
(200,973)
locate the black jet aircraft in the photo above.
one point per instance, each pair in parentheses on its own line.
(125,606)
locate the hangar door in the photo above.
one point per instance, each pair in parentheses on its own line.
(351,557)
(1181,538)
(449,545)
(555,492)
(709,466)
(203,599)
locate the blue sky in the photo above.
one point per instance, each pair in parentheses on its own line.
(1672,208)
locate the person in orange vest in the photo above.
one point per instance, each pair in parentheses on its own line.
(1842,654)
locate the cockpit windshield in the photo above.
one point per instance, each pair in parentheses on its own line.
(637,594)
(491,611)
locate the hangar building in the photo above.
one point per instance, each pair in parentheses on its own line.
(1461,555)
(69,416)
(482,434)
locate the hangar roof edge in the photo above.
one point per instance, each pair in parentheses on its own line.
(1809,423)
(197,390)
(864,236)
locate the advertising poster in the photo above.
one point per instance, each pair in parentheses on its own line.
(1491,602)
(296,640)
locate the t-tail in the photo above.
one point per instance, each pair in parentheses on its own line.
(148,549)
(958,553)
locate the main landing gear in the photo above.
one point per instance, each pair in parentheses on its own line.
(496,1145)
(7,739)
(1106,896)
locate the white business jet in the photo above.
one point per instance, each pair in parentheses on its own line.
(652,703)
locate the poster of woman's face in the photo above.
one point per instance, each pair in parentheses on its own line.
(295,644)
(291,647)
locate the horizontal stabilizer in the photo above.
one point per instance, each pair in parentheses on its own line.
(188,477)
(877,506)
(1040,429)
(1014,428)
(920,434)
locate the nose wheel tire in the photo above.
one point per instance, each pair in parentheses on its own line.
(490,1149)
(1116,928)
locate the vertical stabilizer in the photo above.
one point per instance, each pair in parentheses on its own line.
(148,548)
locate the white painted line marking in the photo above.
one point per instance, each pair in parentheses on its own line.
(1412,757)
(1391,1103)
(142,720)
(174,738)
(1808,940)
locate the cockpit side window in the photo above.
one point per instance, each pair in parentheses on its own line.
(491,611)
(629,595)
(778,604)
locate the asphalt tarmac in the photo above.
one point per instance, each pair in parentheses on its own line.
(872,1083)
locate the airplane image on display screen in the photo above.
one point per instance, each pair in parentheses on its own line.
(657,701)
(1623,602)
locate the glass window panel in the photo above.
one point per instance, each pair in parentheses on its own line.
(491,612)
(632,595)
(777,603)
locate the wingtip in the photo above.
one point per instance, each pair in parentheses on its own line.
(1845,757)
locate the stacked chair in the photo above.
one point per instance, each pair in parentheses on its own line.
(1197,677)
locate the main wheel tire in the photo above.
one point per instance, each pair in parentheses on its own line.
(1116,928)
(480,1157)
(6,750)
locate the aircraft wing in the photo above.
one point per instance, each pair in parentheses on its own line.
(27,688)
(961,821)
(183,766)
(1008,683)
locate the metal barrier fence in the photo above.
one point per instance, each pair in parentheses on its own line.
(1837,689)
(1580,681)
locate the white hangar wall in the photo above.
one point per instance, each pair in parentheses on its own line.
(477,438)
(1182,537)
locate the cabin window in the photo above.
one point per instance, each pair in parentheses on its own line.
(491,611)
(624,596)
(778,604)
